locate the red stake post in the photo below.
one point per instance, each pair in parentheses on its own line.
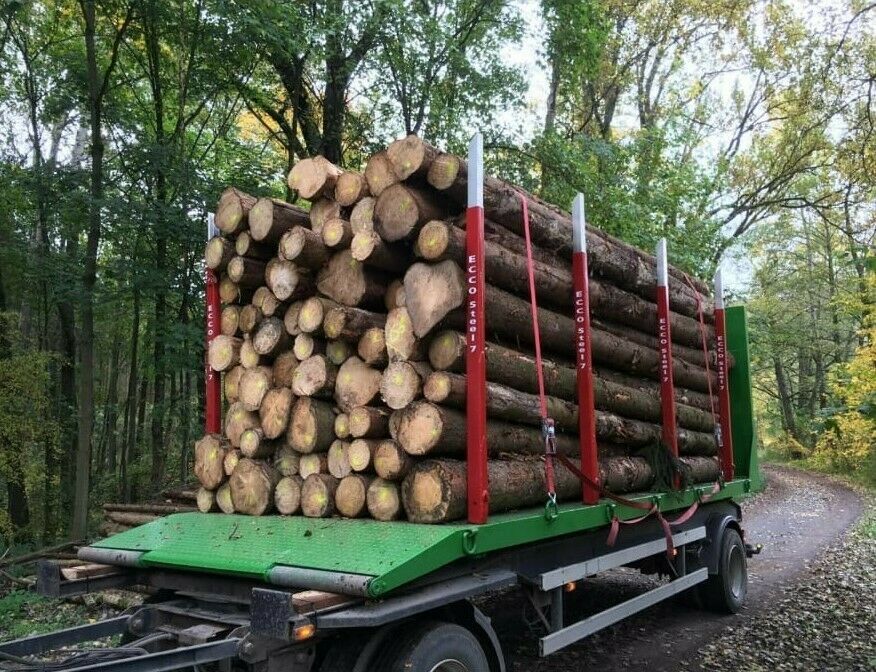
(583,361)
(664,336)
(212,410)
(723,431)
(475,355)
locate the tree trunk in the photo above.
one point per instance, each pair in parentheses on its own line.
(391,462)
(311,426)
(350,188)
(314,178)
(270,218)
(304,247)
(401,210)
(210,451)
(287,495)
(349,324)
(384,500)
(318,495)
(232,211)
(379,174)
(357,384)
(350,283)
(351,495)
(252,487)
(368,422)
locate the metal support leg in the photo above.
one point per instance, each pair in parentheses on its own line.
(556,609)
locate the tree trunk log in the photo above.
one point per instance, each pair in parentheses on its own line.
(246,246)
(311,427)
(286,281)
(313,463)
(231,382)
(337,234)
(210,453)
(286,461)
(250,317)
(342,425)
(361,453)
(315,376)
(318,495)
(252,487)
(411,156)
(372,347)
(224,352)
(362,215)
(384,500)
(290,318)
(218,252)
(233,210)
(314,178)
(246,272)
(275,410)
(232,457)
(237,421)
(230,320)
(402,343)
(322,211)
(348,324)
(402,383)
(254,444)
(338,459)
(370,249)
(379,174)
(283,369)
(271,337)
(304,247)
(350,283)
(351,495)
(350,188)
(270,218)
(313,312)
(287,495)
(223,498)
(391,462)
(401,210)
(357,384)
(368,422)
(338,352)
(254,385)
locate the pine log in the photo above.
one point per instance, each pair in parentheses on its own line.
(254,384)
(314,178)
(206,501)
(337,351)
(270,218)
(232,211)
(337,234)
(230,383)
(372,347)
(322,211)
(224,352)
(350,282)
(350,188)
(246,272)
(287,495)
(232,457)
(318,495)
(286,281)
(402,383)
(370,249)
(360,453)
(313,312)
(237,421)
(342,425)
(315,376)
(368,422)
(271,337)
(518,370)
(362,215)
(134,519)
(432,291)
(379,174)
(210,452)
(275,410)
(283,369)
(445,171)
(391,462)
(223,498)
(312,463)
(246,246)
(254,444)
(383,500)
(395,295)
(249,358)
(252,487)
(338,459)
(401,342)
(348,323)
(304,247)
(439,240)
(271,305)
(307,346)
(311,427)
(693,355)
(401,210)
(250,316)
(154,509)
(290,318)
(411,156)
(229,321)
(351,495)
(505,403)
(231,292)
(286,461)
(357,384)
(218,252)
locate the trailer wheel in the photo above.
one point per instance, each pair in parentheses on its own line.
(435,647)
(725,591)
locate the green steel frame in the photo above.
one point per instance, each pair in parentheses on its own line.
(395,554)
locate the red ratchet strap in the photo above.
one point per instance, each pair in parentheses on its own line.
(548,429)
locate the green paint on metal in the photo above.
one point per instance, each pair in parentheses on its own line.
(393,553)
(741,401)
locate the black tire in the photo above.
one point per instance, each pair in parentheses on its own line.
(725,591)
(434,646)
(342,654)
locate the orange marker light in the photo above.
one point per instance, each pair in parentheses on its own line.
(303,632)
(571,586)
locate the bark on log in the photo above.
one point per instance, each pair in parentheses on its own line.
(290,318)
(350,188)
(357,384)
(391,462)
(230,320)
(231,292)
(270,218)
(304,247)
(246,272)
(362,215)
(315,376)
(395,295)
(275,410)
(283,369)
(224,352)
(206,503)
(337,351)
(321,211)
(252,487)
(337,234)
(246,246)
(154,509)
(311,427)
(134,519)
(368,422)
(232,211)
(230,384)
(210,452)
(350,282)
(318,495)
(218,252)
(314,178)
(379,174)
(435,490)
(348,324)
(370,249)
(237,421)
(384,500)
(372,347)
(286,461)
(254,444)
(271,337)
(411,156)
(351,495)
(401,210)
(287,495)
(254,384)
(313,312)
(338,459)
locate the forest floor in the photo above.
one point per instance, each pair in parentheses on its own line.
(811,603)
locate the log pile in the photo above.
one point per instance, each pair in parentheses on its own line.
(342,352)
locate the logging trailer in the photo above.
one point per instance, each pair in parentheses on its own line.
(339,595)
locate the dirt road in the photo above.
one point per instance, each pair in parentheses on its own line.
(798,516)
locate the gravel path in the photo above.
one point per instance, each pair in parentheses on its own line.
(796,519)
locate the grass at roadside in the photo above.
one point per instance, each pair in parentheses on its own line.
(24,613)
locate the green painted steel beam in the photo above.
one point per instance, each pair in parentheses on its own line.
(742,419)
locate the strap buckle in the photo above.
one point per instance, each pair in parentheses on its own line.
(549,433)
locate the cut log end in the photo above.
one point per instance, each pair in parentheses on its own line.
(444,171)
(311,426)
(338,459)
(431,292)
(350,188)
(287,495)
(314,177)
(400,385)
(433,240)
(391,462)
(252,487)
(206,500)
(383,499)
(419,428)
(314,376)
(224,352)
(210,453)
(351,496)
(318,495)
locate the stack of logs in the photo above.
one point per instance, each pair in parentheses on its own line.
(343,357)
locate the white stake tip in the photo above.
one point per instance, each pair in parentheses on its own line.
(476,171)
(579,225)
(212,231)
(719,290)
(662,264)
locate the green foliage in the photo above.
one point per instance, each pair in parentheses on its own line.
(24,613)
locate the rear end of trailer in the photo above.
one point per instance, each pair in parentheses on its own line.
(336,594)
